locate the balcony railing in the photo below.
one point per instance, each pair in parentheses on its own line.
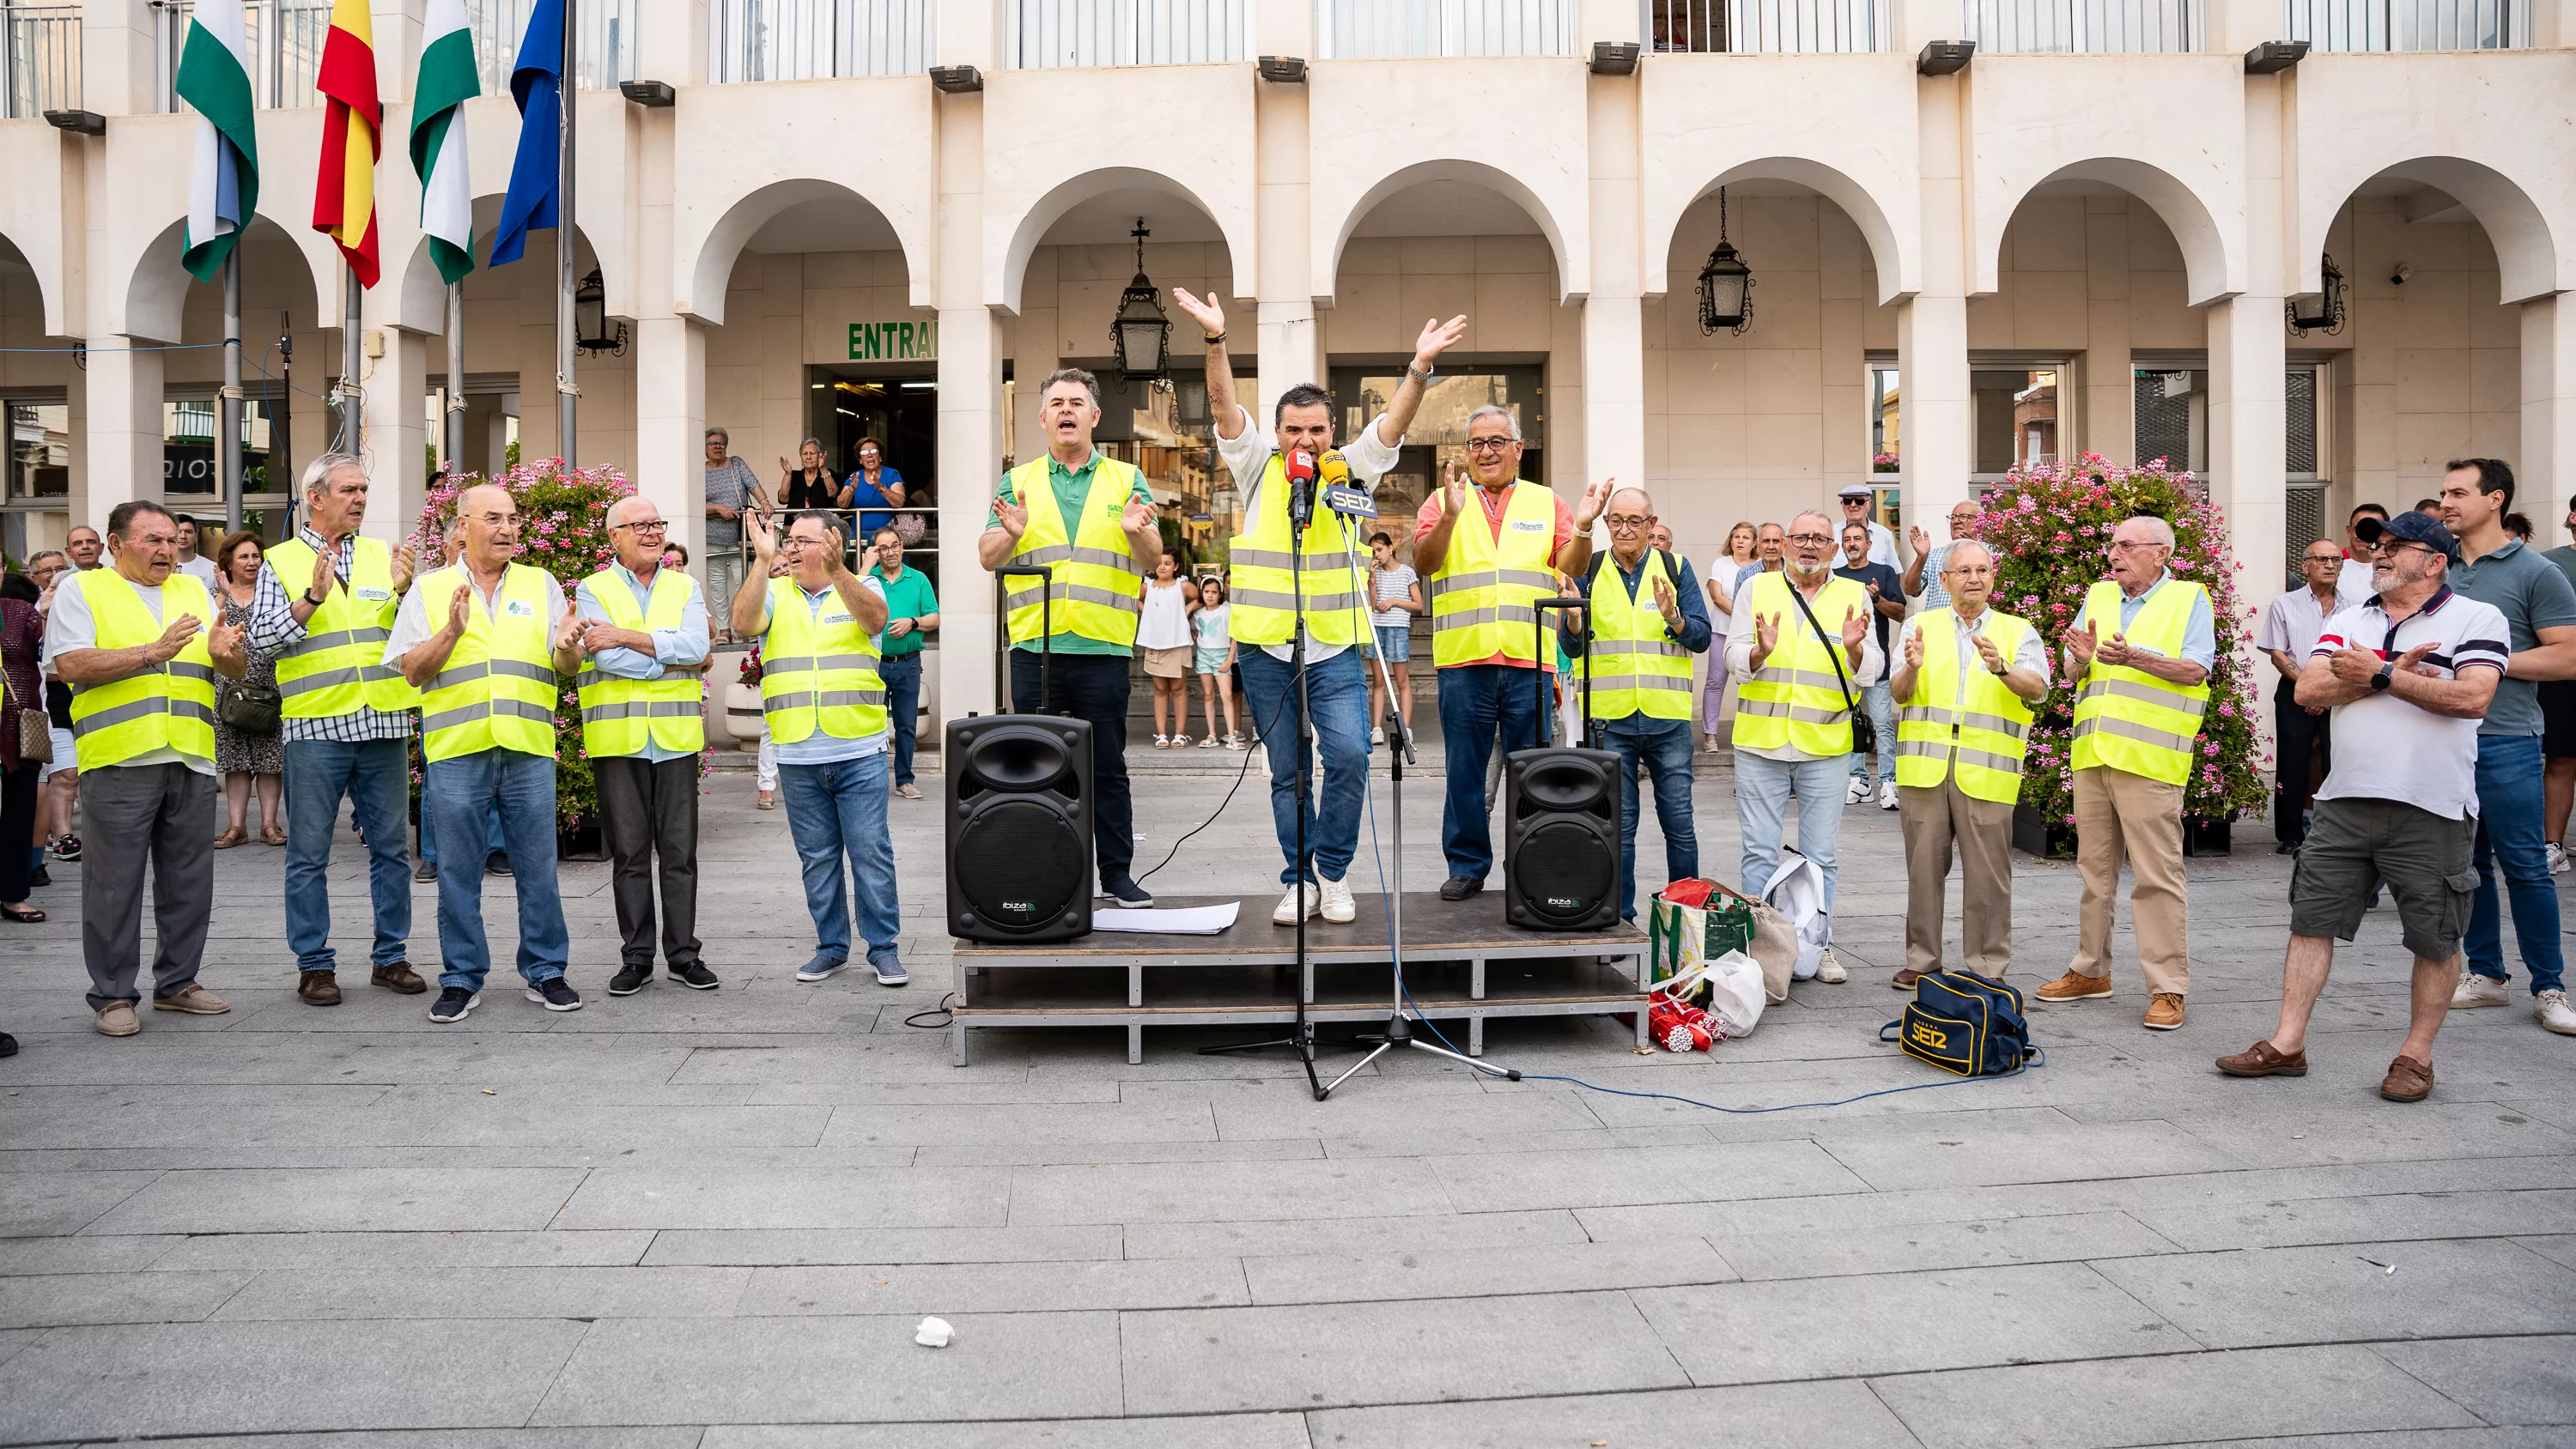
(1712,27)
(765,40)
(2349,25)
(1404,29)
(1046,34)
(40,59)
(284,38)
(2085,27)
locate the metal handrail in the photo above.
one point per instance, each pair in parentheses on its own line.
(2085,27)
(1054,34)
(285,39)
(1409,29)
(40,59)
(767,40)
(2408,25)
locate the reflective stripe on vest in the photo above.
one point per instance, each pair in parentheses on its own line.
(2127,718)
(1795,699)
(340,663)
(1986,739)
(618,714)
(819,673)
(498,689)
(1264,592)
(1637,666)
(1483,594)
(166,706)
(1092,591)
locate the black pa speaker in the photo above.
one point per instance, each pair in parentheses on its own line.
(1019,828)
(1561,818)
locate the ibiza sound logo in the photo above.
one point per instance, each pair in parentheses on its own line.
(1021,908)
(1565,903)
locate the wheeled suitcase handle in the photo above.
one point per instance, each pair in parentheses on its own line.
(1538,640)
(1046,633)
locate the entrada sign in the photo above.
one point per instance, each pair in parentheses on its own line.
(894,341)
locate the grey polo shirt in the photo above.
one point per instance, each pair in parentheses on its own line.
(2532,595)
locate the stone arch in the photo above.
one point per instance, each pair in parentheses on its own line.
(420,297)
(2212,270)
(1898,263)
(1007,270)
(2527,251)
(1573,274)
(708,260)
(156,290)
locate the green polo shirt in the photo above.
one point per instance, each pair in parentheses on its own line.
(1072,489)
(908,597)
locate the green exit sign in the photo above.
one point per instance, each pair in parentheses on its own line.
(894,341)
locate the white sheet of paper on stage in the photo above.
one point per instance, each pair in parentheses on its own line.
(1192,921)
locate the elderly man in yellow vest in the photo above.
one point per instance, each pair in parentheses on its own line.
(1087,519)
(324,606)
(820,628)
(1965,680)
(1798,674)
(140,643)
(2139,657)
(1331,579)
(486,672)
(643,725)
(1489,561)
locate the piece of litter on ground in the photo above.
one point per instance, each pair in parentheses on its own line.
(2389,1269)
(488,1092)
(934,1333)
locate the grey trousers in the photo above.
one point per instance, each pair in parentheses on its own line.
(134,815)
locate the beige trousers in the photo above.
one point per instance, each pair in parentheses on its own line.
(2118,813)
(1936,819)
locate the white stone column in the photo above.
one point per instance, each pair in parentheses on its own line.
(1937,448)
(970,463)
(2547,468)
(670,426)
(2247,362)
(1614,356)
(396,434)
(123,390)
(1289,340)
(118,69)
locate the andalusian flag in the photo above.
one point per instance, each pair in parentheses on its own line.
(223,187)
(447,81)
(344,188)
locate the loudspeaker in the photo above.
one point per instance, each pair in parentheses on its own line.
(1019,828)
(1561,839)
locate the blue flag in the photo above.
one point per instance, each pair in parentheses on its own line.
(537,84)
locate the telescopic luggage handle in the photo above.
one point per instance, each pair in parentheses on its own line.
(1046,633)
(1538,642)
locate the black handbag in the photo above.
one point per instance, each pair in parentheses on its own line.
(1864,733)
(249,709)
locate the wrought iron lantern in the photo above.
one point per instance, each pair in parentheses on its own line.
(590,318)
(2322,310)
(1725,283)
(1141,334)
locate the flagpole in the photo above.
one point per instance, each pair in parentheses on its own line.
(456,378)
(567,396)
(352,363)
(228,411)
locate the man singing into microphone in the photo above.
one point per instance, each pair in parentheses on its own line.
(1334,588)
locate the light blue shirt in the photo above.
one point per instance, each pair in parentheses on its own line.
(819,748)
(2199,635)
(685,646)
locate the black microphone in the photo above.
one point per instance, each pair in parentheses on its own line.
(1301,488)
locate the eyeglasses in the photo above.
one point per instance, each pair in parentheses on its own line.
(649,525)
(494,520)
(1970,571)
(1627,525)
(1811,540)
(2129,545)
(1489,445)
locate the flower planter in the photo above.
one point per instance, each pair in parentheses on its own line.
(2204,837)
(742,714)
(2034,835)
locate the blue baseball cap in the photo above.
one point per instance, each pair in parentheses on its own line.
(2408,527)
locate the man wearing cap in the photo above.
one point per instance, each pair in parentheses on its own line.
(2139,655)
(1856,500)
(2411,671)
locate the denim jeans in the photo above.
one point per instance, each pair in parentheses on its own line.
(902,676)
(1475,701)
(1762,791)
(1337,697)
(492,845)
(1881,705)
(1665,746)
(375,776)
(462,796)
(836,811)
(2509,842)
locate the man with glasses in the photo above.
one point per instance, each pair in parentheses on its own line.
(2288,635)
(912,611)
(1798,672)
(1856,501)
(1887,608)
(2140,655)
(1923,577)
(1489,563)
(643,724)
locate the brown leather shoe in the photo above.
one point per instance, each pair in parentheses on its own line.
(400,977)
(318,987)
(2262,1059)
(2075,986)
(2164,1011)
(193,999)
(2408,1080)
(1904,980)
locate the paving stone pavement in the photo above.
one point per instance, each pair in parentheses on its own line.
(712,1219)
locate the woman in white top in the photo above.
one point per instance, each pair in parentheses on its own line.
(1720,583)
(1163,635)
(1215,661)
(1397,592)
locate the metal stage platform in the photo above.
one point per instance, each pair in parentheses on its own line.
(1460,963)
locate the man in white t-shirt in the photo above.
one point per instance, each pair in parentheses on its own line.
(2408,675)
(192,561)
(2353,579)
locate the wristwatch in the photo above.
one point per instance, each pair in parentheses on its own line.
(2387,671)
(1420,375)
(316,603)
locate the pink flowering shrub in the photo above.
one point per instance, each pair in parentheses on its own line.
(2049,526)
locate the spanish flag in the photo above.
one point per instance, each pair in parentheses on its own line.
(344,191)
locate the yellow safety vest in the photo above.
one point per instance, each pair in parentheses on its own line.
(1264,605)
(1796,699)
(821,674)
(2127,718)
(498,689)
(340,664)
(1987,734)
(1092,591)
(161,706)
(1638,667)
(1483,595)
(618,714)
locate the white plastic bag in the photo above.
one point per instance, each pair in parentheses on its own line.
(1735,993)
(1797,892)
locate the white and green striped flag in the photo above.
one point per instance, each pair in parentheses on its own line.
(223,187)
(447,81)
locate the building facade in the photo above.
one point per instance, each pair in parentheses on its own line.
(2080,240)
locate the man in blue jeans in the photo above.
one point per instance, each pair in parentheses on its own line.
(2539,608)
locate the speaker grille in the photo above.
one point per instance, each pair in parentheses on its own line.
(1562,871)
(1020,864)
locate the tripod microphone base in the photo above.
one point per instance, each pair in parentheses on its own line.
(1399,1033)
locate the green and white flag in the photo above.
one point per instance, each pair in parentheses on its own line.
(223,187)
(447,81)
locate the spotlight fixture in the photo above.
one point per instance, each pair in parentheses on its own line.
(1614,57)
(1944,57)
(1286,70)
(957,80)
(2275,56)
(79,123)
(652,94)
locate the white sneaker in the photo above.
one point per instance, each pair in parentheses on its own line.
(1887,795)
(1377,736)
(1339,908)
(1829,968)
(1286,912)
(1858,792)
(2552,1009)
(2476,990)
(2557,858)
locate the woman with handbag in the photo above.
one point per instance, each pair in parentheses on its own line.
(249,750)
(26,743)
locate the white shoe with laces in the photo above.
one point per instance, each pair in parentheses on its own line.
(2553,1011)
(1829,968)
(1286,912)
(1338,907)
(1858,792)
(2557,858)
(1887,795)
(2476,990)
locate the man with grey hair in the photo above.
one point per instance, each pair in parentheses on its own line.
(323,608)
(731,488)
